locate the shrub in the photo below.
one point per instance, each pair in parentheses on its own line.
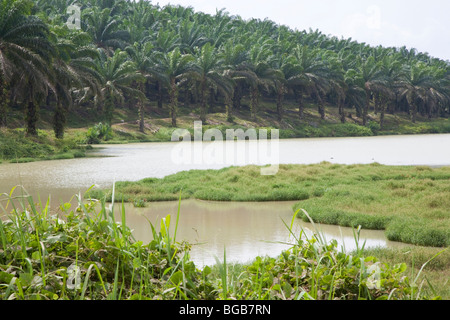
(99,132)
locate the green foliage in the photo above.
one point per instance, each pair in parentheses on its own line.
(99,132)
(410,203)
(91,256)
(128,53)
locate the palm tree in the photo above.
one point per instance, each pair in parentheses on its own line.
(392,69)
(355,95)
(234,57)
(416,87)
(164,41)
(375,82)
(118,73)
(173,68)
(104,29)
(209,74)
(259,62)
(287,69)
(309,76)
(142,56)
(25,54)
(191,36)
(74,69)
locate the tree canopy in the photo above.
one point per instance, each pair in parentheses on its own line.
(137,51)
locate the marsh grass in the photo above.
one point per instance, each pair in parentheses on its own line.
(84,253)
(410,203)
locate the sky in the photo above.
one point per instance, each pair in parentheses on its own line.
(420,24)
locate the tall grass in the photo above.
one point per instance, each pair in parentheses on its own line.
(409,203)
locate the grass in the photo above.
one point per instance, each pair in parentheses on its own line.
(125,128)
(410,203)
(85,254)
(16,147)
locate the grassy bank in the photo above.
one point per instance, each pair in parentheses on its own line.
(84,254)
(83,128)
(16,147)
(410,203)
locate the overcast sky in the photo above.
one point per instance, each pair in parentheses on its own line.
(420,24)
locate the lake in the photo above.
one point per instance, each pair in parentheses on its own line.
(245,229)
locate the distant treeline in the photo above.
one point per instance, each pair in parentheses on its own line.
(111,53)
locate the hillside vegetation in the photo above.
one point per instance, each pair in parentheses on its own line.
(148,62)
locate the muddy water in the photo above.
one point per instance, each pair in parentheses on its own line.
(247,230)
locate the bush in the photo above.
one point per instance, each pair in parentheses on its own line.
(99,132)
(414,231)
(351,130)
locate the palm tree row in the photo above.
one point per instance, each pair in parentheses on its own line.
(135,52)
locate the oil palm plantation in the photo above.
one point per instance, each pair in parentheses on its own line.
(234,57)
(309,76)
(142,56)
(259,62)
(209,72)
(375,82)
(118,74)
(105,29)
(25,58)
(173,69)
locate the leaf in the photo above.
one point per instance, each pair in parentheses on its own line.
(36,255)
(136,263)
(177,278)
(206,271)
(25,279)
(5,277)
(60,237)
(165,224)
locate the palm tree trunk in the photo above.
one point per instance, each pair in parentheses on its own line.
(141,111)
(377,103)
(237,98)
(229,108)
(59,121)
(173,102)
(4,102)
(160,94)
(320,106)
(413,112)
(141,117)
(280,98)
(203,101)
(382,113)
(254,102)
(31,118)
(301,106)
(341,109)
(365,110)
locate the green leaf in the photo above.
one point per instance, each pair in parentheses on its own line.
(5,277)
(165,224)
(177,278)
(206,271)
(36,255)
(25,279)
(136,263)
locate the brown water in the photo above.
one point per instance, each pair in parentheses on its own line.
(246,229)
